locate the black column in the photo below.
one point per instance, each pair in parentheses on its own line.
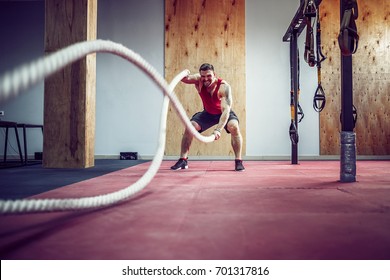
(347,136)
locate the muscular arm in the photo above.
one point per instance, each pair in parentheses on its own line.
(226,105)
(191,79)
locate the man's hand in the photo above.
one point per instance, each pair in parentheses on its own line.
(190,78)
(217,134)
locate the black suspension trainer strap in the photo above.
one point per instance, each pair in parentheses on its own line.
(301,115)
(319,99)
(349,38)
(293,131)
(309,13)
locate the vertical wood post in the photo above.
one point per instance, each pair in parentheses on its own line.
(69,99)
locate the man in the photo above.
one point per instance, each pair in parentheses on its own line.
(217,101)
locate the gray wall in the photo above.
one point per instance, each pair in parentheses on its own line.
(128,103)
(22,32)
(268,83)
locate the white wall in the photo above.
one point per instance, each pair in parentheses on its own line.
(128,103)
(268,83)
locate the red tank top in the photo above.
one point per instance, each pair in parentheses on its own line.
(211,103)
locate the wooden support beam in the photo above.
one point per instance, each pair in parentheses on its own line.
(69,100)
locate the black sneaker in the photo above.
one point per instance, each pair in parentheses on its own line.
(180,164)
(239,166)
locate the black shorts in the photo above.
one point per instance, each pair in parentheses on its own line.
(207,120)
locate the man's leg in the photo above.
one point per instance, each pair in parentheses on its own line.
(236,140)
(185,148)
(187,140)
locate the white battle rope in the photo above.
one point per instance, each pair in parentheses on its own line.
(11,84)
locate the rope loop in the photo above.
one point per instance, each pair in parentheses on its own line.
(13,83)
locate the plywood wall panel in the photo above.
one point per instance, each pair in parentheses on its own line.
(329,118)
(197,32)
(371,78)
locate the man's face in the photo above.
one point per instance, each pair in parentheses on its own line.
(207,77)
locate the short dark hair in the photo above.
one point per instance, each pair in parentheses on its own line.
(206,66)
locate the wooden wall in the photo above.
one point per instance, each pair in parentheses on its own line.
(198,31)
(371,75)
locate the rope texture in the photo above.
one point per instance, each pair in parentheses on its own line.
(13,83)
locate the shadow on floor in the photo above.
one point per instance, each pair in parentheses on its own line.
(23,181)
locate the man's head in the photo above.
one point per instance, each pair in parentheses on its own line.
(207,75)
(206,66)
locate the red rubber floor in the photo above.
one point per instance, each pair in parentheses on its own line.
(273,210)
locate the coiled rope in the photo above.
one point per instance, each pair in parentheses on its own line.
(11,85)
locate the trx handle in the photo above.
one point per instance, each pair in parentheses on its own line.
(349,38)
(319,99)
(354,116)
(294,137)
(310,9)
(300,113)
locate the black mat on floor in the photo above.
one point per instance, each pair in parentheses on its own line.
(24,181)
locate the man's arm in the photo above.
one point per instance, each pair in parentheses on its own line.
(191,79)
(226,105)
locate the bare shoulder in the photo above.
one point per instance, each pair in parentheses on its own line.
(225,88)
